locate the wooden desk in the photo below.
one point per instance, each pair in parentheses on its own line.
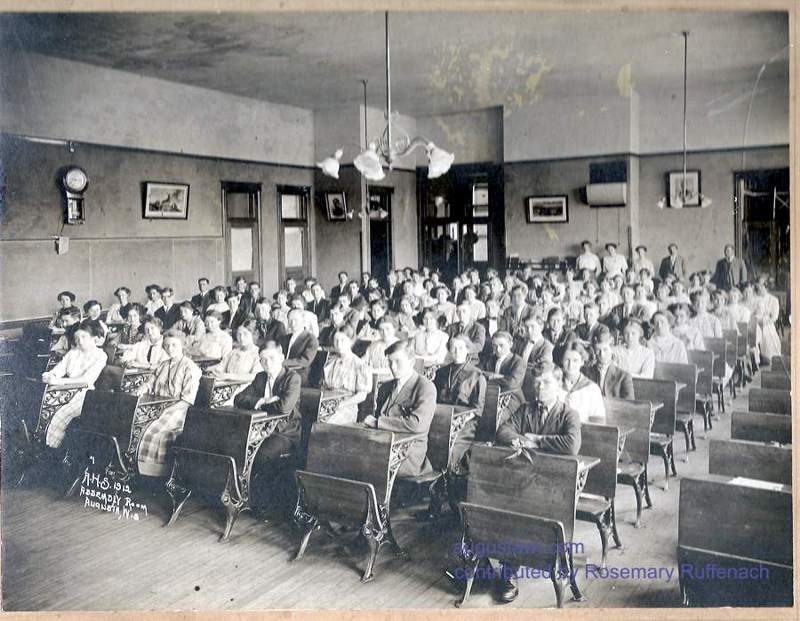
(110,428)
(761,427)
(214,457)
(133,378)
(214,392)
(204,362)
(348,478)
(754,460)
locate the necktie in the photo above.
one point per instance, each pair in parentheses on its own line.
(497,365)
(150,353)
(268,387)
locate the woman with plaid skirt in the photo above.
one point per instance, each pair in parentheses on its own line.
(80,365)
(179,378)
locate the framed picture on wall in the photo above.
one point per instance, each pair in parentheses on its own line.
(166,201)
(690,188)
(336,205)
(547,208)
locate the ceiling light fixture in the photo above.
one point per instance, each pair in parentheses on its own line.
(393,143)
(685,195)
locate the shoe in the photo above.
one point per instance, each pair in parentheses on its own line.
(508,590)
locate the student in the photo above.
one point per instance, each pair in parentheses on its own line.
(346,372)
(201,300)
(154,301)
(673,264)
(430,343)
(587,261)
(149,352)
(642,261)
(613,381)
(580,393)
(614,264)
(169,313)
(118,312)
(241,364)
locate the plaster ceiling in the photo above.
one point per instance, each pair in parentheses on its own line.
(441,62)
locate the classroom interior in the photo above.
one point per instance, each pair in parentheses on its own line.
(239,111)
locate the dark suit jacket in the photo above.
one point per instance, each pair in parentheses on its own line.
(287,388)
(410,412)
(561,428)
(584,333)
(559,344)
(475,332)
(512,370)
(303,351)
(539,357)
(201,302)
(267,330)
(169,318)
(618,382)
(468,386)
(514,325)
(679,268)
(727,276)
(337,291)
(502,326)
(616,317)
(321,309)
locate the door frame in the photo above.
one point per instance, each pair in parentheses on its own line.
(249,187)
(305,192)
(389,192)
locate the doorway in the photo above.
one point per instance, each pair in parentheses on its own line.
(380,231)
(463,219)
(241,211)
(761,222)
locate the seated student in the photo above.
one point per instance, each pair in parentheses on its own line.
(504,362)
(632,356)
(375,355)
(571,305)
(190,325)
(201,300)
(219,305)
(585,331)
(613,381)
(445,310)
(535,351)
(275,390)
(149,352)
(319,304)
(493,322)
(179,378)
(477,308)
(679,293)
(326,334)
(240,364)
(341,288)
(581,394)
(430,343)
(542,422)
(707,324)
(406,317)
(70,321)
(644,307)
(232,300)
(154,301)
(240,286)
(684,329)
(461,383)
(170,312)
(666,346)
(80,365)
(299,345)
(476,333)
(92,311)
(312,324)
(628,308)
(266,325)
(346,371)
(664,299)
(118,312)
(720,310)
(556,334)
(589,291)
(133,330)
(738,312)
(406,405)
(377,310)
(308,295)
(357,317)
(518,311)
(215,343)
(66,300)
(765,314)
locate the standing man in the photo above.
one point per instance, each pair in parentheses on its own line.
(730,272)
(201,300)
(673,264)
(406,405)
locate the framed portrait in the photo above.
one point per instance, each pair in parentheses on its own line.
(547,208)
(675,186)
(336,205)
(166,201)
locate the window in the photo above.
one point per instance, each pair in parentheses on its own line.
(293,231)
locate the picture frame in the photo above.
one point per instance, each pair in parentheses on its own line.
(336,206)
(165,200)
(674,181)
(547,209)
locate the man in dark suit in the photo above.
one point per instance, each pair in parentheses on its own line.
(170,313)
(555,333)
(266,325)
(492,323)
(535,351)
(518,312)
(341,288)
(613,381)
(275,390)
(201,300)
(393,291)
(473,331)
(249,301)
(504,362)
(730,271)
(406,405)
(299,345)
(673,264)
(622,312)
(542,422)
(591,321)
(319,305)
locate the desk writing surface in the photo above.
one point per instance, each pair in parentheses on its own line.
(67,385)
(150,399)
(228,382)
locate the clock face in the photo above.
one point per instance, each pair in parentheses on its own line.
(76,180)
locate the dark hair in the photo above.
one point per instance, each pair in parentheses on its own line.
(125,289)
(188,305)
(347,330)
(641,247)
(165,289)
(578,347)
(203,279)
(401,345)
(155,321)
(92,327)
(139,309)
(72,297)
(89,304)
(149,288)
(216,315)
(602,333)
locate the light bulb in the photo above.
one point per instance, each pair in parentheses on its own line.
(330,165)
(369,164)
(439,161)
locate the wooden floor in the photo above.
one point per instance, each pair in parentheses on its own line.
(58,555)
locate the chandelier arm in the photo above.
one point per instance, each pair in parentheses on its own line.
(417,141)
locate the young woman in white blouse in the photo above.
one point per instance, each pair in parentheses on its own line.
(430,343)
(215,343)
(241,364)
(666,346)
(149,352)
(632,356)
(81,365)
(581,394)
